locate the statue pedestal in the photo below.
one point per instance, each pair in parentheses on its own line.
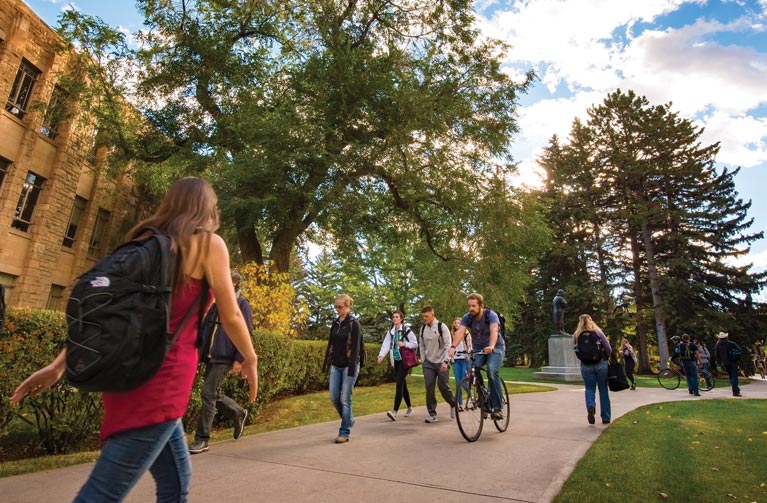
(563,364)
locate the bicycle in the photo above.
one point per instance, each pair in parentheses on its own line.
(476,403)
(669,378)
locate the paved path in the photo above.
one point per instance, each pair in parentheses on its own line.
(406,460)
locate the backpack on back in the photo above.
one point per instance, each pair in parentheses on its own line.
(734,351)
(685,352)
(588,347)
(119,315)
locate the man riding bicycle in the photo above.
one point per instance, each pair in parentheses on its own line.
(484,328)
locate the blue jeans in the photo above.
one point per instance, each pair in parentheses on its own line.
(460,368)
(732,373)
(160,448)
(341,386)
(691,374)
(595,375)
(494,361)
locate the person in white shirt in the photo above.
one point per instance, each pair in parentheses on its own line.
(434,342)
(399,336)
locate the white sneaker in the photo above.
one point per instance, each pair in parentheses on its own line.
(431,419)
(452,412)
(392,415)
(409,412)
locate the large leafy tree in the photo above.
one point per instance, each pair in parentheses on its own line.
(305,111)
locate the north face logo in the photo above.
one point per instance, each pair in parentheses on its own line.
(101,281)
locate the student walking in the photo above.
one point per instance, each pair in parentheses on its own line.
(434,341)
(593,350)
(461,361)
(343,355)
(727,354)
(221,357)
(141,428)
(629,360)
(690,357)
(399,336)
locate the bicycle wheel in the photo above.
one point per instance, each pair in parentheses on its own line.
(706,380)
(470,419)
(502,424)
(668,379)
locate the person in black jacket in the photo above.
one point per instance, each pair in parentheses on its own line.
(344,355)
(220,357)
(727,353)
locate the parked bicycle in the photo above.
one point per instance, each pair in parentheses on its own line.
(671,377)
(476,403)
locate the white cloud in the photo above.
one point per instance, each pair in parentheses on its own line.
(743,138)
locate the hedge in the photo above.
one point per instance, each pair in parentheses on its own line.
(67,420)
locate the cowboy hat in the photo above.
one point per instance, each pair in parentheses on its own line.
(722,335)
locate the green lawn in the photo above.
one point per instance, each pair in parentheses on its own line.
(287,413)
(677,452)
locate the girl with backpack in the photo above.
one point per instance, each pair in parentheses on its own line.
(141,428)
(629,360)
(398,337)
(593,350)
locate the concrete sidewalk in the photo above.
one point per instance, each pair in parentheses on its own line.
(385,461)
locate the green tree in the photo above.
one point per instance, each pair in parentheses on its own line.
(296,110)
(674,220)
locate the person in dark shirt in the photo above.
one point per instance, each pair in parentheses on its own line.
(220,357)
(343,356)
(690,357)
(726,351)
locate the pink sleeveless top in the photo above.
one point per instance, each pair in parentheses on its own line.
(165,396)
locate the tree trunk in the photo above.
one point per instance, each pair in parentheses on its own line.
(250,246)
(657,300)
(641,326)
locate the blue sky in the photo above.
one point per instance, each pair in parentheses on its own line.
(709,58)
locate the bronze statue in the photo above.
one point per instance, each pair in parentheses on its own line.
(559,311)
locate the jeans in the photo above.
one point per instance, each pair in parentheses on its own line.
(595,375)
(493,361)
(432,374)
(460,369)
(400,373)
(732,373)
(212,400)
(341,386)
(691,375)
(125,457)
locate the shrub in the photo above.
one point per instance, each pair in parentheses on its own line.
(64,418)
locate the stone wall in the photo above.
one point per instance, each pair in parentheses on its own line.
(34,261)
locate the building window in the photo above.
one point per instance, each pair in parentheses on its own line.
(22,89)
(96,245)
(74,221)
(55,298)
(4,165)
(30,192)
(54,114)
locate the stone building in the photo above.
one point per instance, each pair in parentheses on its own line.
(60,208)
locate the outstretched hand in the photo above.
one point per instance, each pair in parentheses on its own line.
(40,381)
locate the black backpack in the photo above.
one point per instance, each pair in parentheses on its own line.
(588,347)
(684,351)
(119,314)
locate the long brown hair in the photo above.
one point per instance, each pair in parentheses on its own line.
(189,207)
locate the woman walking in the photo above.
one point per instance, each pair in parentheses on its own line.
(343,355)
(593,349)
(629,360)
(461,361)
(399,336)
(141,428)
